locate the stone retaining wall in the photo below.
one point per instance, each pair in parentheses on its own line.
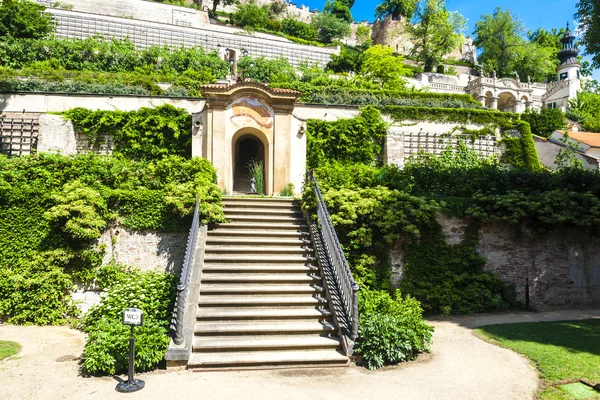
(563,267)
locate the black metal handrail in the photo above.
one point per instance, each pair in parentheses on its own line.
(348,288)
(186,273)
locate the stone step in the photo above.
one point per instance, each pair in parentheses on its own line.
(286,212)
(261,300)
(258,200)
(245,343)
(256,250)
(262,226)
(281,313)
(260,278)
(236,268)
(289,357)
(265,241)
(249,327)
(259,289)
(263,218)
(257,205)
(241,234)
(258,259)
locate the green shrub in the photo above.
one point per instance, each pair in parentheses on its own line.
(147,133)
(106,348)
(545,121)
(449,279)
(355,140)
(24,19)
(299,29)
(52,207)
(391,330)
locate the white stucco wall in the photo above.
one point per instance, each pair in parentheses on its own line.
(49,102)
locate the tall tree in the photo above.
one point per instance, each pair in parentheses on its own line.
(436,32)
(396,8)
(500,36)
(338,8)
(216,3)
(24,19)
(588,16)
(382,66)
(330,27)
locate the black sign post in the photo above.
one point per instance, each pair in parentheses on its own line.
(132,317)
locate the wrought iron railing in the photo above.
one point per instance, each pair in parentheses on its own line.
(347,288)
(186,272)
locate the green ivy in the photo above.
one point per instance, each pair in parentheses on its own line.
(54,206)
(147,133)
(449,279)
(355,140)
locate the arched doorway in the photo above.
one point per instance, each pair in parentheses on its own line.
(248,149)
(507,102)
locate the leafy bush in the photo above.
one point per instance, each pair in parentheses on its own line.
(250,15)
(147,133)
(545,121)
(299,29)
(106,349)
(24,19)
(53,206)
(100,55)
(265,70)
(391,330)
(356,140)
(449,279)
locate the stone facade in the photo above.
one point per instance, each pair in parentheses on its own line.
(143,34)
(562,267)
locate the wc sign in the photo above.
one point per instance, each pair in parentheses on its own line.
(133,317)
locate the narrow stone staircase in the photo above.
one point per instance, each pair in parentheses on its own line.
(262,302)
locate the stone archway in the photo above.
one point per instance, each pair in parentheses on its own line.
(235,119)
(507,102)
(246,149)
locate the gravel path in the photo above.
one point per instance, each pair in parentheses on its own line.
(461,366)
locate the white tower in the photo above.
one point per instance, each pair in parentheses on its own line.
(569,75)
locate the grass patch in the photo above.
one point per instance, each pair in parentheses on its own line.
(564,351)
(8,349)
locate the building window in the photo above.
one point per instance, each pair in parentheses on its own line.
(564,76)
(578,74)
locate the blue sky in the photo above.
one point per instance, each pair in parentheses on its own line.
(546,14)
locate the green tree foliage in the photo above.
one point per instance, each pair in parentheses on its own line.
(363,36)
(391,329)
(396,9)
(436,32)
(106,349)
(339,9)
(500,36)
(54,206)
(349,60)
(330,27)
(588,16)
(585,109)
(382,66)
(217,3)
(266,70)
(144,134)
(298,29)
(250,15)
(24,19)
(545,121)
(357,140)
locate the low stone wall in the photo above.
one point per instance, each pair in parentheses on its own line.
(562,267)
(147,250)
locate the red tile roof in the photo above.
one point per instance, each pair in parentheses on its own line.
(592,139)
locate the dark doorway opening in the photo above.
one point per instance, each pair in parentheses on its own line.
(247,149)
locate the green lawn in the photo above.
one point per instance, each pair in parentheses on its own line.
(8,349)
(565,351)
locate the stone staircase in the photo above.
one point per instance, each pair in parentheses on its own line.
(262,303)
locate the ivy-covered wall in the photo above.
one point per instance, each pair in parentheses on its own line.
(561,267)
